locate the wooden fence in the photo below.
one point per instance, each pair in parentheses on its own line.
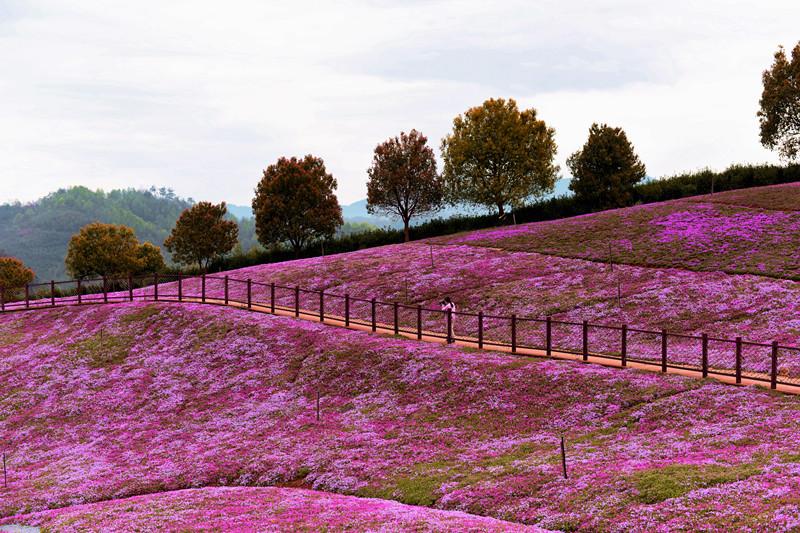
(736,359)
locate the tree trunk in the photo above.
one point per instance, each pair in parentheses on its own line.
(406,237)
(501,210)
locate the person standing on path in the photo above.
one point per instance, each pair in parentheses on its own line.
(449,309)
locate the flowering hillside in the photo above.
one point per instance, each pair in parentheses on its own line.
(744,231)
(258,509)
(109,402)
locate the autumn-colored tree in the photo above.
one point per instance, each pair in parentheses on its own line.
(110,250)
(13,275)
(498,155)
(150,259)
(403,179)
(295,203)
(606,169)
(202,234)
(779,116)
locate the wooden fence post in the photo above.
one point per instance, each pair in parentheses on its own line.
(347,310)
(322,306)
(249,293)
(548,337)
(374,322)
(774,374)
(738,360)
(296,301)
(130,287)
(155,286)
(180,286)
(2,298)
(704,362)
(624,351)
(105,290)
(663,350)
(272,297)
(225,289)
(419,322)
(480,330)
(396,319)
(27,295)
(203,288)
(563,457)
(585,331)
(52,293)
(79,291)
(513,333)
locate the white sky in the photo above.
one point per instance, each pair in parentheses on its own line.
(201,96)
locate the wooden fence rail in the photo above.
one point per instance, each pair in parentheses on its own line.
(737,360)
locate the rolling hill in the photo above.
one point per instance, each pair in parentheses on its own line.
(140,400)
(109,402)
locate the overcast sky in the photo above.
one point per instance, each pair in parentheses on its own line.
(201,96)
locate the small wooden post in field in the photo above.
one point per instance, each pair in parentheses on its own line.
(317,405)
(624,350)
(774,374)
(480,330)
(585,343)
(563,457)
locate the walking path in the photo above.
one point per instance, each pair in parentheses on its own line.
(748,378)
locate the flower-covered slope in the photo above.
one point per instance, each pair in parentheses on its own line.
(258,509)
(500,282)
(747,231)
(113,401)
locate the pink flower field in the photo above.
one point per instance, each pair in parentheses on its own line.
(108,402)
(259,509)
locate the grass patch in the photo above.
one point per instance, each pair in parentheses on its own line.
(103,350)
(140,315)
(659,484)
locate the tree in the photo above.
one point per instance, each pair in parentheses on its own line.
(295,203)
(150,259)
(779,116)
(13,276)
(498,156)
(403,179)
(202,234)
(606,169)
(102,250)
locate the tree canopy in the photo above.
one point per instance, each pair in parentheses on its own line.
(202,234)
(403,180)
(108,250)
(779,113)
(606,169)
(498,155)
(295,203)
(13,275)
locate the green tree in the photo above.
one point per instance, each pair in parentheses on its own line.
(606,169)
(403,179)
(150,259)
(102,250)
(13,275)
(779,115)
(498,155)
(295,203)
(202,234)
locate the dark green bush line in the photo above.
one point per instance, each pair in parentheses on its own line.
(670,188)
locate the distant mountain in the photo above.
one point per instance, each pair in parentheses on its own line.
(38,232)
(240,211)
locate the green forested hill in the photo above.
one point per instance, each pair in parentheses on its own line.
(38,232)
